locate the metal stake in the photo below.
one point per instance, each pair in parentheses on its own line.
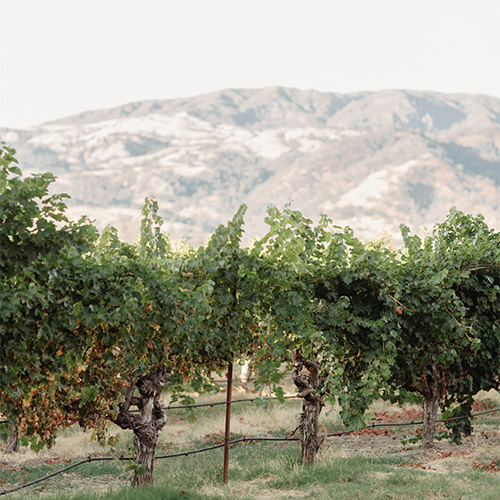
(228,422)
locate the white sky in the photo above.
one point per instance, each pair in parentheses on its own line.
(62,57)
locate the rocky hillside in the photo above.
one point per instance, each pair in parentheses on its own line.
(368,160)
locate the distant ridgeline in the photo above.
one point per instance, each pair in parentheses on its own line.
(368,160)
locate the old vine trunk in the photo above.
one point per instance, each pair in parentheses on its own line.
(309,387)
(13,445)
(147,424)
(434,388)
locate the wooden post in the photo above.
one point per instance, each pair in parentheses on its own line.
(225,476)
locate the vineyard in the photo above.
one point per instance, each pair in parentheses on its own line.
(93,330)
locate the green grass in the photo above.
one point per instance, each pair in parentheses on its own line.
(351,467)
(272,471)
(149,493)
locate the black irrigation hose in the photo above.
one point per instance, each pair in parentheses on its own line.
(215,446)
(239,440)
(81,462)
(413,422)
(472,415)
(173,455)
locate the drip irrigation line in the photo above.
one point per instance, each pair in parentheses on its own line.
(413,422)
(221,445)
(60,471)
(472,415)
(172,455)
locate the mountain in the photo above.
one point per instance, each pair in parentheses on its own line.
(370,160)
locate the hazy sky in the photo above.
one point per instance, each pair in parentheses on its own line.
(61,57)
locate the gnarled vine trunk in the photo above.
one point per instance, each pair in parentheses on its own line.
(308,384)
(147,424)
(13,445)
(434,388)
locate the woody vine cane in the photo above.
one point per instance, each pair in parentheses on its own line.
(309,387)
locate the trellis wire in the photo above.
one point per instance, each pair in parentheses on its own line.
(248,400)
(200,405)
(264,400)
